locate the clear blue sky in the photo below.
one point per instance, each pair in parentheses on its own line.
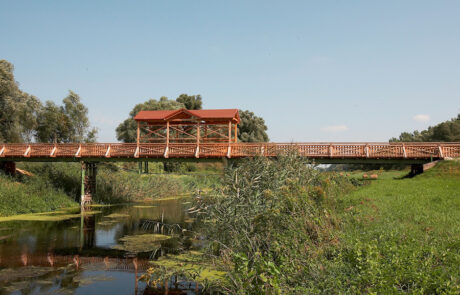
(314,70)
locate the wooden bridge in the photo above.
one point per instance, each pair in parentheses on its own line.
(200,135)
(318,152)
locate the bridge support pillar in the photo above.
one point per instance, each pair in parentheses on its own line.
(416,169)
(146,167)
(139,167)
(9,167)
(88,182)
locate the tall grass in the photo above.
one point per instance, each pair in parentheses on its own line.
(31,195)
(269,220)
(115,184)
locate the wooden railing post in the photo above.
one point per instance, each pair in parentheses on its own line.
(441,154)
(404,151)
(2,151)
(27,152)
(167,141)
(197,150)
(53,151)
(78,153)
(107,153)
(330,151)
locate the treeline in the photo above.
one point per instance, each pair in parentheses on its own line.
(445,131)
(25,118)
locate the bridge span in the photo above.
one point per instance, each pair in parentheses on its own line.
(319,152)
(89,154)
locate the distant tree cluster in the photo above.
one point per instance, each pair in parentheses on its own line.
(251,128)
(24,118)
(445,131)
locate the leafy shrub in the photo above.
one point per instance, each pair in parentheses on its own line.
(270,218)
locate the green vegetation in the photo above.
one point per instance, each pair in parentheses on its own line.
(400,235)
(31,195)
(141,243)
(445,131)
(280,227)
(191,266)
(23,117)
(252,128)
(271,218)
(59,215)
(56,185)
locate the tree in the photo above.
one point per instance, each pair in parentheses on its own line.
(67,123)
(77,114)
(19,110)
(445,131)
(127,130)
(191,102)
(252,128)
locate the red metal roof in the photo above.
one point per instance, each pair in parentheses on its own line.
(205,115)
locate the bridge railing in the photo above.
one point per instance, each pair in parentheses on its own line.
(233,150)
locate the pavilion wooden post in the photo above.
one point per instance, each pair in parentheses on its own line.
(167,133)
(229,131)
(236,133)
(138,133)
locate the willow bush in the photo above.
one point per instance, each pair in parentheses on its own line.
(269,221)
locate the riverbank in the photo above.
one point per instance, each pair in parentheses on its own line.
(56,185)
(30,195)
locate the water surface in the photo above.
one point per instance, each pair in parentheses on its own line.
(86,254)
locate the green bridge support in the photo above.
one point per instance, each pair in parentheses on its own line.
(143,168)
(88,182)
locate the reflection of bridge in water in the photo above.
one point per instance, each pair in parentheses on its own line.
(86,257)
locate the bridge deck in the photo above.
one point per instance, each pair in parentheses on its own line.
(125,151)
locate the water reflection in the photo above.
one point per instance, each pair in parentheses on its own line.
(76,255)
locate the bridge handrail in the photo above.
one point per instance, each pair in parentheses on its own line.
(379,150)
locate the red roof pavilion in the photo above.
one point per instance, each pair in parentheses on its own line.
(187,126)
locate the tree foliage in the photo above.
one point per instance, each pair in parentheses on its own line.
(445,131)
(191,102)
(252,128)
(23,117)
(19,110)
(67,123)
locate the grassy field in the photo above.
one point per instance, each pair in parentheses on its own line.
(402,234)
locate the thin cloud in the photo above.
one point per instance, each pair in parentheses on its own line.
(421,118)
(335,128)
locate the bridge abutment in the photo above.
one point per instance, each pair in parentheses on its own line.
(88,182)
(9,167)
